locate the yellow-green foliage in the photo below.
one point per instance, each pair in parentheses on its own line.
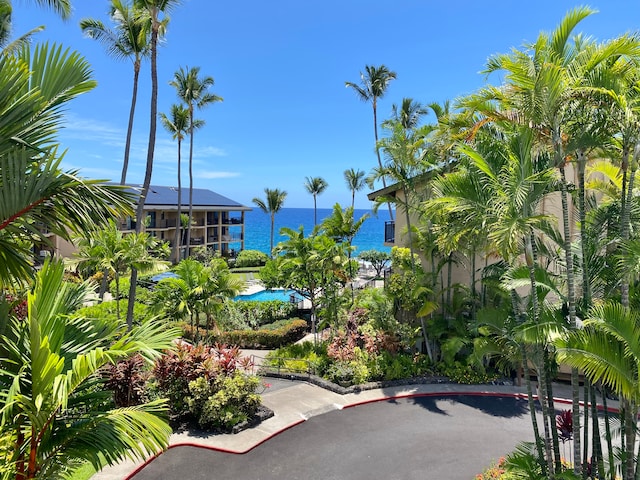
(263,338)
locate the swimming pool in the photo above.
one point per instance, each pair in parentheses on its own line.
(266,295)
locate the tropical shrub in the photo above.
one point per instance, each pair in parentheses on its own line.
(289,332)
(224,402)
(253,313)
(251,258)
(127,379)
(352,372)
(208,385)
(107,311)
(465,374)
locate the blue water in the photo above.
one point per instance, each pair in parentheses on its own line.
(266,295)
(258,225)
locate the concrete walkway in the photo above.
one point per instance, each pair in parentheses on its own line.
(294,402)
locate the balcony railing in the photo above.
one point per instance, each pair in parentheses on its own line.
(389,232)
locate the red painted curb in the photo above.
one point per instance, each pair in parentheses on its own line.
(207,447)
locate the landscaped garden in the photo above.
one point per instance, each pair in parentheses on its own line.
(494,284)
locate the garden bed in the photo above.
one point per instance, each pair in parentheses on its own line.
(180,425)
(341,390)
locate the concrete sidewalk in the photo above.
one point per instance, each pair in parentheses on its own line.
(294,402)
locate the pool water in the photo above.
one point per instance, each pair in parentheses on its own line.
(266,295)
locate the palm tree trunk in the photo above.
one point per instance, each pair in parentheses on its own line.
(375,132)
(132,110)
(631,414)
(607,429)
(190,179)
(552,413)
(103,284)
(273,221)
(449,275)
(532,407)
(150,151)
(571,300)
(585,453)
(542,385)
(597,440)
(625,221)
(177,244)
(117,296)
(315,211)
(409,232)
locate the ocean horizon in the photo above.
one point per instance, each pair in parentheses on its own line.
(258,227)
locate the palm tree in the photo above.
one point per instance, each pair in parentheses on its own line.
(404,150)
(56,412)
(607,350)
(543,85)
(272,204)
(155,10)
(192,90)
(409,113)
(129,40)
(178,126)
(197,289)
(315,186)
(355,182)
(114,254)
(342,227)
(373,85)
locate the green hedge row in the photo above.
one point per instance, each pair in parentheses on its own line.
(290,332)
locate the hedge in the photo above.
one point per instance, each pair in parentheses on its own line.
(259,339)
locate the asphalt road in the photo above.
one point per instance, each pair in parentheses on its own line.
(416,438)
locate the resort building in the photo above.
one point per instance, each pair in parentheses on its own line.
(217,222)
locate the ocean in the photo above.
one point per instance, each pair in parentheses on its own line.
(258,227)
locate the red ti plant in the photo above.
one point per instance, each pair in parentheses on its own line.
(564,424)
(127,379)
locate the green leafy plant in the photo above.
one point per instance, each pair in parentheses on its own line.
(224,402)
(251,258)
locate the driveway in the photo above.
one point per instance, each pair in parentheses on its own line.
(433,437)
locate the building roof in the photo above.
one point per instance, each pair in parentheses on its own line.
(202,197)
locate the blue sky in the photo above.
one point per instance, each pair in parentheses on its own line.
(281,67)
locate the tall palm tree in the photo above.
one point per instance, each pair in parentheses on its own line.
(373,85)
(129,40)
(404,150)
(355,182)
(192,90)
(56,411)
(157,12)
(178,126)
(315,186)
(272,204)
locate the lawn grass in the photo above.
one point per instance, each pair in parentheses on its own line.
(246,274)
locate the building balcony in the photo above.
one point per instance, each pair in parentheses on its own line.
(234,237)
(389,232)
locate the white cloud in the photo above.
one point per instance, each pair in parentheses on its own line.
(212,174)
